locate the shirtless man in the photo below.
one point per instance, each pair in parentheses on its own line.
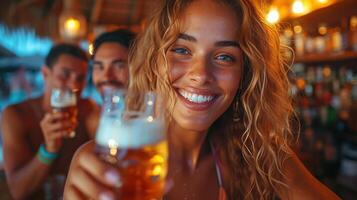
(35,142)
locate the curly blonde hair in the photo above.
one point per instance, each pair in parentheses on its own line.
(256,144)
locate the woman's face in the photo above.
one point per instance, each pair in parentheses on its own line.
(205,64)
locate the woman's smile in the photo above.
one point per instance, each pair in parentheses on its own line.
(196,99)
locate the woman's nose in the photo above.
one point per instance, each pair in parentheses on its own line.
(201,71)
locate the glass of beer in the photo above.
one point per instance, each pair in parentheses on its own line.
(132,137)
(65,100)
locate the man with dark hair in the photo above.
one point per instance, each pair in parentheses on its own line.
(37,149)
(110,59)
(59,49)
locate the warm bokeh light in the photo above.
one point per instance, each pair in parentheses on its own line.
(273,16)
(322,29)
(353,21)
(113,146)
(298,7)
(72,25)
(285,9)
(297,29)
(90,49)
(157,170)
(300,83)
(113,151)
(288,32)
(326,71)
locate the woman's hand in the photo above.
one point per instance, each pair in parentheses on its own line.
(90,177)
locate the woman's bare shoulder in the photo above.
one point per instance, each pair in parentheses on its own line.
(302,184)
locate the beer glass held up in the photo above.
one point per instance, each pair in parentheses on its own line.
(132,137)
(65,100)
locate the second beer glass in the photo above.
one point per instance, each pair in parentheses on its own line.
(132,137)
(65,100)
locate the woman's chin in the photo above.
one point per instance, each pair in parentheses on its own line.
(192,126)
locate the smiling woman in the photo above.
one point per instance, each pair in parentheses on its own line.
(219,64)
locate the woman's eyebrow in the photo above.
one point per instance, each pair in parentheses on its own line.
(227,43)
(187,37)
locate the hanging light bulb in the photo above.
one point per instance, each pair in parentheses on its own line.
(298,7)
(72,23)
(273,16)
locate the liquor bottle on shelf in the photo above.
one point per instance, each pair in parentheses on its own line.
(286,39)
(353,33)
(336,40)
(299,40)
(344,33)
(321,40)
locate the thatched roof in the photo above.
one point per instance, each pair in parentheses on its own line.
(43,15)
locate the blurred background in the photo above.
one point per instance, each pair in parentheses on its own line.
(322,33)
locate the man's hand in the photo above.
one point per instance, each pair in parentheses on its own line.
(55,126)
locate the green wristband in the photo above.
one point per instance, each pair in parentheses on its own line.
(43,160)
(44,156)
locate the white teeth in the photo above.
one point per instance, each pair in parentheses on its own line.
(196,98)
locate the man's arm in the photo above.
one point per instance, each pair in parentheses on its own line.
(24,172)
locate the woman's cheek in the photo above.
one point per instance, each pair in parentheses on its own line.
(177,69)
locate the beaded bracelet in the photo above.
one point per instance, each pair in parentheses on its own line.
(44,156)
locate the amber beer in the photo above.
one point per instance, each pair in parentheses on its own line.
(138,149)
(65,101)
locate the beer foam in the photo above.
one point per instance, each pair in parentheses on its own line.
(63,101)
(132,133)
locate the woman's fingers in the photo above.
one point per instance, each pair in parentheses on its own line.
(72,193)
(90,188)
(92,178)
(100,170)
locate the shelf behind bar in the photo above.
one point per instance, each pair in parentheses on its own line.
(327,57)
(332,15)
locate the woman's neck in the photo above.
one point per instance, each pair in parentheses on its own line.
(186,147)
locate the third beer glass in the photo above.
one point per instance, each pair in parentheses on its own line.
(132,137)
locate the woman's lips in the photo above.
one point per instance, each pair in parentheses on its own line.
(198,101)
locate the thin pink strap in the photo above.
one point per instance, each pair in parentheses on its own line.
(218,165)
(221,193)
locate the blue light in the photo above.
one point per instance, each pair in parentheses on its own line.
(23,41)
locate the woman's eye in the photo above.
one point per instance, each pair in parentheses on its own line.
(225,58)
(182,51)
